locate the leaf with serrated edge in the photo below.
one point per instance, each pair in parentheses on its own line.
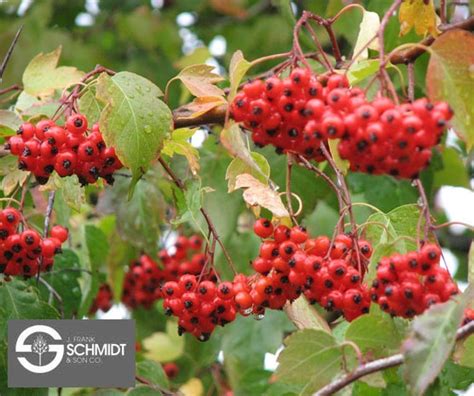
(430,343)
(418,14)
(311,359)
(375,334)
(199,106)
(42,76)
(449,78)
(134,121)
(237,69)
(368,29)
(304,316)
(200,80)
(259,194)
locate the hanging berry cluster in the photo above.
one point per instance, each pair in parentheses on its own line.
(408,284)
(46,147)
(103,300)
(298,113)
(291,264)
(143,281)
(25,252)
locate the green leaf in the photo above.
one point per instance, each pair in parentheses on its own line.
(449,78)
(199,55)
(9,122)
(311,359)
(65,280)
(95,249)
(31,106)
(188,204)
(465,352)
(200,80)
(143,391)
(179,144)
(89,105)
(430,343)
(153,372)
(72,192)
(361,70)
(238,167)
(375,334)
(454,172)
(19,300)
(138,220)
(237,69)
(388,227)
(134,120)
(305,316)
(42,76)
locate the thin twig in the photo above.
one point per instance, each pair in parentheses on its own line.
(14,87)
(289,166)
(411,81)
(55,294)
(179,183)
(442,11)
(379,365)
(425,208)
(47,220)
(9,53)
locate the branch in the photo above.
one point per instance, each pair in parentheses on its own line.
(411,54)
(179,183)
(379,365)
(10,51)
(47,220)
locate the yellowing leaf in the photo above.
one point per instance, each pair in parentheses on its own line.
(419,15)
(259,194)
(305,316)
(343,165)
(193,387)
(200,80)
(198,107)
(238,167)
(199,55)
(164,347)
(42,76)
(237,69)
(368,30)
(12,180)
(178,144)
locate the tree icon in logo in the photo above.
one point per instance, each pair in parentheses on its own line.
(40,346)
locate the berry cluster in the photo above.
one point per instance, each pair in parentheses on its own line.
(26,252)
(291,264)
(199,305)
(298,113)
(407,284)
(103,300)
(47,147)
(143,281)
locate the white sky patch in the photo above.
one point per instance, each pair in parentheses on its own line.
(218,46)
(118,311)
(186,19)
(458,203)
(84,19)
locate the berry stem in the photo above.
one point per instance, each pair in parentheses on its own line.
(289,166)
(425,209)
(442,11)
(55,294)
(451,223)
(320,47)
(9,53)
(179,183)
(297,50)
(411,81)
(379,365)
(14,87)
(47,220)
